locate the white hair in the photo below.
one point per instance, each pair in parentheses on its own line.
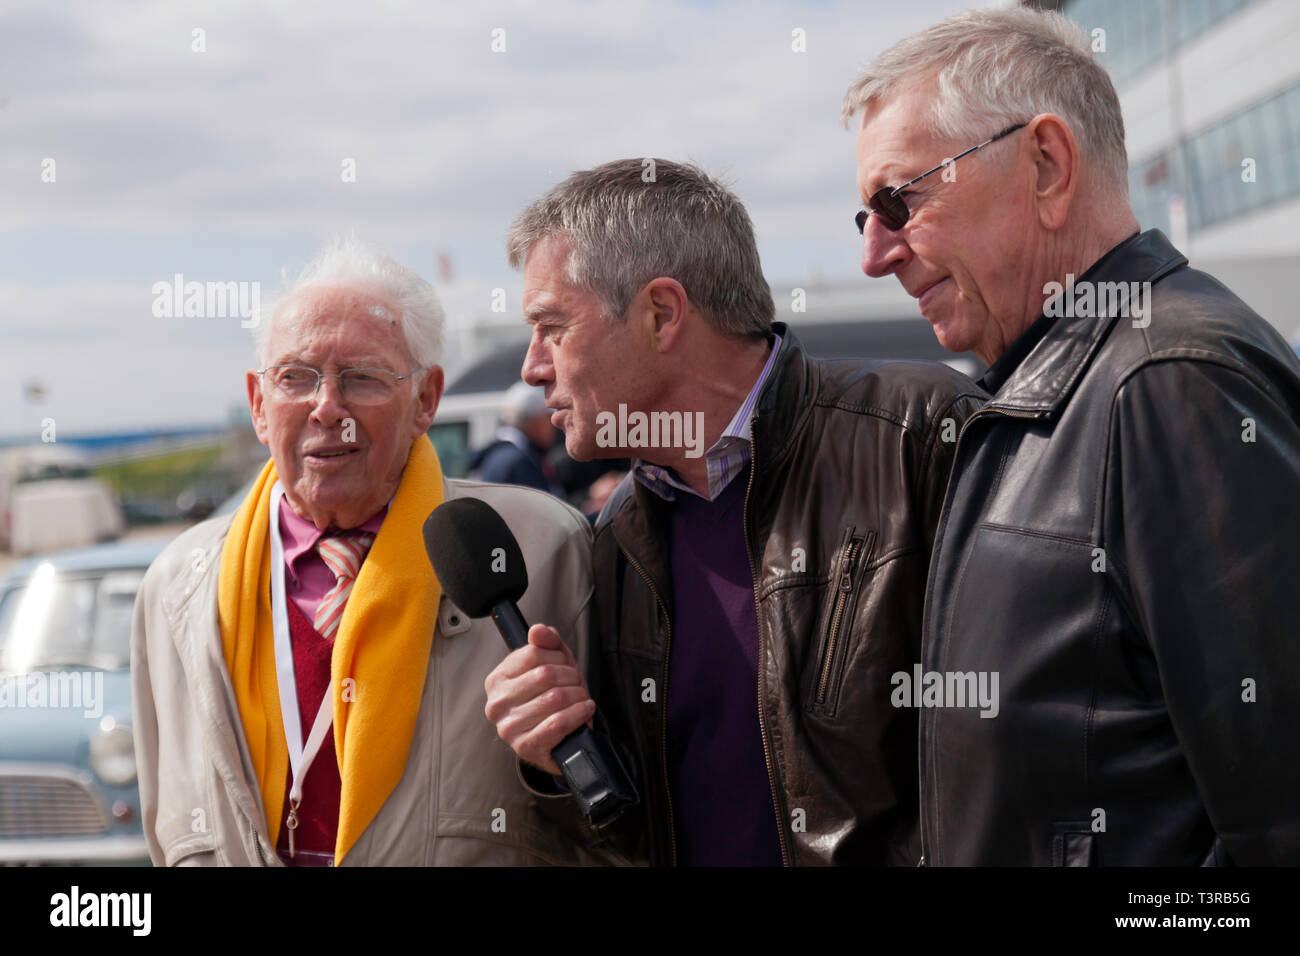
(994,68)
(352,263)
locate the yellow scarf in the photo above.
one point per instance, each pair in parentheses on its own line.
(382,644)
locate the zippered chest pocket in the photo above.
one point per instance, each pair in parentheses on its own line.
(835,622)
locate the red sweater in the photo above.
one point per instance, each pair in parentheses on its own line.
(318,817)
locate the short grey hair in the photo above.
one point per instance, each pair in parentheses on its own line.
(995,68)
(633,220)
(352,263)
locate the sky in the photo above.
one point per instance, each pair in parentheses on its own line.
(226,141)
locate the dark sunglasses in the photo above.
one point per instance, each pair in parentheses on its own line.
(889,205)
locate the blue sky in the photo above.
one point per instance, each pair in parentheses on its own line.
(225,164)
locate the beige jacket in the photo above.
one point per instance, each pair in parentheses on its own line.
(199,797)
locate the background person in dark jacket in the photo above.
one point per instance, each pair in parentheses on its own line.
(761,572)
(517,453)
(1120,549)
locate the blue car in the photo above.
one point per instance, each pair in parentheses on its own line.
(68,789)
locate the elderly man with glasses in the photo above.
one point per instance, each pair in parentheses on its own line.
(303,693)
(1120,542)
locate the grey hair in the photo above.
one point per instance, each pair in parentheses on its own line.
(362,266)
(994,68)
(633,220)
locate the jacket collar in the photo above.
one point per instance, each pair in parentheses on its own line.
(1044,381)
(638,518)
(786,400)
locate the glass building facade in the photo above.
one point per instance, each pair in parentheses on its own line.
(1237,165)
(1244,163)
(1141,33)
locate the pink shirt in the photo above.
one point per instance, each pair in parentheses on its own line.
(308,578)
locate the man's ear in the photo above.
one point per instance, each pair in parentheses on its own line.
(427,401)
(1056,168)
(665,307)
(255,407)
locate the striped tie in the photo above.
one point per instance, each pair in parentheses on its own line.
(342,555)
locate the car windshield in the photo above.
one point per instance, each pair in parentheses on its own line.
(56,619)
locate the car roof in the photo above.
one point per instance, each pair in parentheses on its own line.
(113,556)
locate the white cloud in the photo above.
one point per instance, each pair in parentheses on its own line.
(226,164)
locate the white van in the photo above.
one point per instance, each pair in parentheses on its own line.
(62,513)
(47,499)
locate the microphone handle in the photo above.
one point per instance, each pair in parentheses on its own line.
(511,624)
(591,767)
(594,775)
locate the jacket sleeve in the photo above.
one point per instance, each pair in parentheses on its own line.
(144,721)
(610,844)
(552,798)
(169,752)
(1202,530)
(936,463)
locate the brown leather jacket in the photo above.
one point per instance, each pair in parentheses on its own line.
(851,460)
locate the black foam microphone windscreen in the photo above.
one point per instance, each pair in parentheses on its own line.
(475,555)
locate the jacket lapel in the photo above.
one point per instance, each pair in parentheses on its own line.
(1044,381)
(642,533)
(189,602)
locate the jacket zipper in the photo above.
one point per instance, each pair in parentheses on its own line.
(927,797)
(777,803)
(256,837)
(663,705)
(837,615)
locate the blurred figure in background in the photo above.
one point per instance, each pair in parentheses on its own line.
(598,493)
(517,454)
(587,484)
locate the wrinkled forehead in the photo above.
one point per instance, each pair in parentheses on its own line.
(350,316)
(548,278)
(894,141)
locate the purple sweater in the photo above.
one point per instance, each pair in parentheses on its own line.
(722,799)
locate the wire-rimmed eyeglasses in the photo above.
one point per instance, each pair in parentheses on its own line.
(888,204)
(362,386)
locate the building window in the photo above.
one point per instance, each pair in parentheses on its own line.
(1249,161)
(1140,33)
(1220,184)
(1150,187)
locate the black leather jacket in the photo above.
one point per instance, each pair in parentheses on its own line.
(1120,544)
(849,469)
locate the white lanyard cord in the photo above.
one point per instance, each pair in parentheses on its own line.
(300,757)
(321,726)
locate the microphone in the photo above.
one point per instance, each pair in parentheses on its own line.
(480,567)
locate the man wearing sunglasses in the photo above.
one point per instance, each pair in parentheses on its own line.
(1118,550)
